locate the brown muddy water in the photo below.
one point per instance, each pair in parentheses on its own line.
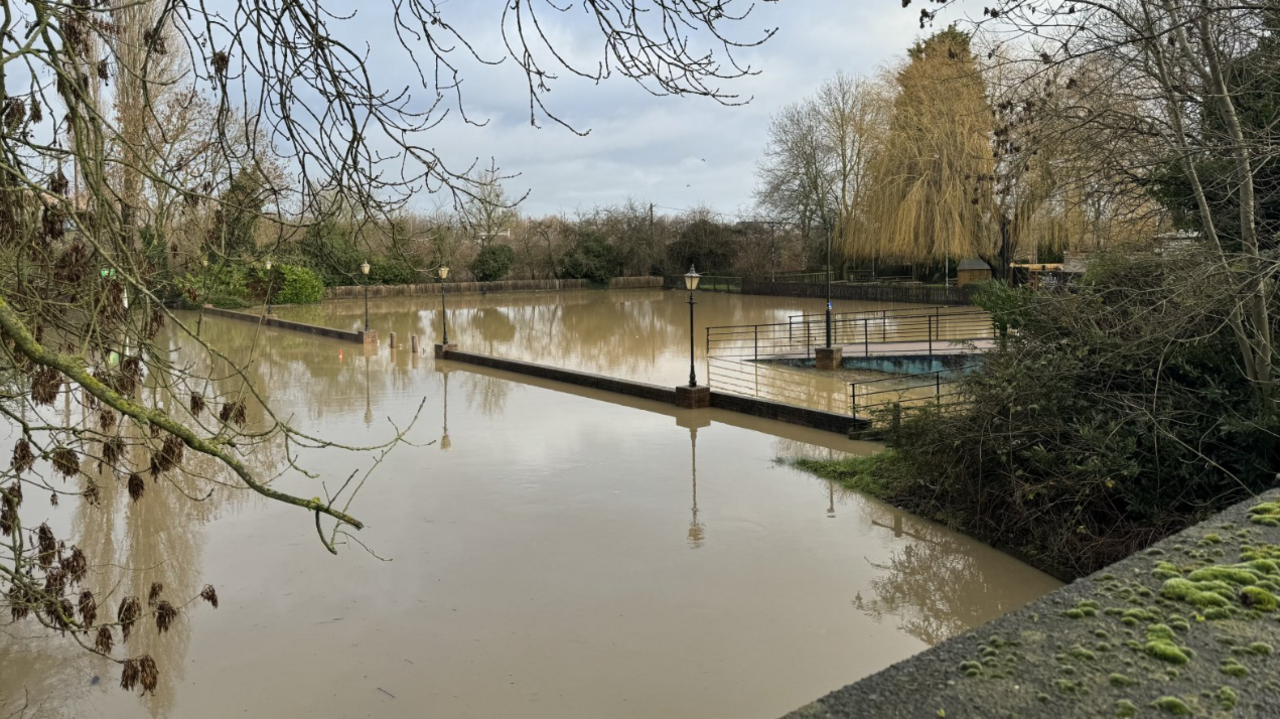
(543,551)
(641,335)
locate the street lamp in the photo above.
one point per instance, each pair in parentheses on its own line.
(204,292)
(269,279)
(364,270)
(691,284)
(830,231)
(444,323)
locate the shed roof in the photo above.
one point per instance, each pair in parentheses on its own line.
(973,263)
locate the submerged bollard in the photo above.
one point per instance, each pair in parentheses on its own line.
(392,345)
(413,344)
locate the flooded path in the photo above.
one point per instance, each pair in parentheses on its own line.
(640,335)
(545,551)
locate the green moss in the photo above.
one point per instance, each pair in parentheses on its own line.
(1080,652)
(1126,709)
(1066,686)
(1201,594)
(1043,698)
(1237,574)
(1261,649)
(1266,514)
(1217,613)
(1166,652)
(1074,614)
(1120,680)
(1228,698)
(1233,668)
(1211,539)
(1258,598)
(1172,705)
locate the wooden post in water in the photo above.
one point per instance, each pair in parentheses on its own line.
(392,345)
(413,344)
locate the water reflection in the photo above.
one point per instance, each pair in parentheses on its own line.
(935,585)
(445,442)
(553,551)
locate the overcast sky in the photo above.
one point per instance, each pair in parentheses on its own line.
(675,152)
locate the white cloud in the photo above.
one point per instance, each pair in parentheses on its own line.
(675,152)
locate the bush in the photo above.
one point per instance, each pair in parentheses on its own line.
(1106,419)
(296,285)
(220,285)
(590,257)
(493,262)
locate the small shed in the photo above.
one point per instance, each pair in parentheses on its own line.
(972,270)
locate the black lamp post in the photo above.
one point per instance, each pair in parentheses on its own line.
(204,292)
(270,310)
(691,284)
(444,323)
(830,231)
(364,270)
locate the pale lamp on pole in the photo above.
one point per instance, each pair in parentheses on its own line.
(691,283)
(269,278)
(444,323)
(364,270)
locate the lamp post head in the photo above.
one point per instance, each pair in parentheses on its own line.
(364,268)
(691,279)
(444,272)
(204,261)
(268,264)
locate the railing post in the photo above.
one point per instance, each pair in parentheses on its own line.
(929,330)
(866,337)
(755,354)
(937,388)
(853,398)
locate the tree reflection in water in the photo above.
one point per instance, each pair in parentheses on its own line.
(934,584)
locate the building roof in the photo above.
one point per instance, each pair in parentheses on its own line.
(973,263)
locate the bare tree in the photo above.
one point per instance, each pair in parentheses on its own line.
(1182,64)
(74,181)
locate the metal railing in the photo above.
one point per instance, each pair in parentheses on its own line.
(925,332)
(938,391)
(706,283)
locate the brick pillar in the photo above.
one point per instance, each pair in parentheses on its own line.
(693,397)
(370,340)
(442,349)
(828,357)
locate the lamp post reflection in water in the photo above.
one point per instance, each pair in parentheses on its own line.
(445,442)
(697,530)
(368,407)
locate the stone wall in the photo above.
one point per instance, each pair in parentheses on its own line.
(344,335)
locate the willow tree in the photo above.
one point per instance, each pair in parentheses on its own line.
(815,172)
(927,199)
(82,305)
(1190,72)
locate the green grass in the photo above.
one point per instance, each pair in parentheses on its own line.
(861,474)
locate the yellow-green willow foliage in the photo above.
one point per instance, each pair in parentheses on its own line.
(929,194)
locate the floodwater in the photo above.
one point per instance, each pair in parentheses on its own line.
(540,551)
(640,335)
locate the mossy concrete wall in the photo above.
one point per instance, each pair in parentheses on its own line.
(1189,627)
